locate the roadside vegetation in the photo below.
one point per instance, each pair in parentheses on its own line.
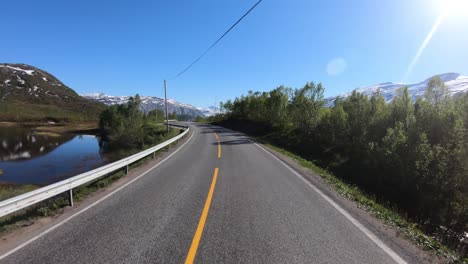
(410,156)
(126,127)
(8,190)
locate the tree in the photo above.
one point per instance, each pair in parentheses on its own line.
(123,124)
(277,107)
(172,116)
(155,115)
(436,92)
(306,106)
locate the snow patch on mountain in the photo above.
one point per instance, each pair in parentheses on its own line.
(455,82)
(148,103)
(20,80)
(28,72)
(210,111)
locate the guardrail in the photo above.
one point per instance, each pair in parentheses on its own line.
(176,125)
(19,202)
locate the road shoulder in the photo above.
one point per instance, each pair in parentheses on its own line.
(390,235)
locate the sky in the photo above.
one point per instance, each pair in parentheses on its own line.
(128,47)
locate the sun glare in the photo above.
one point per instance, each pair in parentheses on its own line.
(454,7)
(448,8)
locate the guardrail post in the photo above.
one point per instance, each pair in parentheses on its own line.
(70,196)
(154,155)
(126,170)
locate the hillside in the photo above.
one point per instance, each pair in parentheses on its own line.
(31,94)
(456,83)
(149,103)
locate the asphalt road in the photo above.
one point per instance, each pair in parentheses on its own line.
(251,209)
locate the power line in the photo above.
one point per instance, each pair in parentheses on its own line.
(219,39)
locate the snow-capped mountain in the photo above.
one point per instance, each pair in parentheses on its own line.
(457,84)
(148,103)
(27,83)
(210,110)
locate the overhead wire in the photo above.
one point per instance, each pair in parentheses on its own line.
(218,40)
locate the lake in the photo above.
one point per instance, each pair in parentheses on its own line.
(31,157)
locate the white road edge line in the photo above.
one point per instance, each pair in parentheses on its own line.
(91,205)
(353,220)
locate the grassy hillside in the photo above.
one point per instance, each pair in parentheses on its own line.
(24,112)
(31,94)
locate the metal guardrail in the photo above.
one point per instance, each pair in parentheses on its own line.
(176,125)
(19,202)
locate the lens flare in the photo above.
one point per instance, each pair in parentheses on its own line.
(422,48)
(448,8)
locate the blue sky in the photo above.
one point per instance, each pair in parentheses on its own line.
(129,47)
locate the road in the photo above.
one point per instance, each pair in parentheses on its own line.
(219,199)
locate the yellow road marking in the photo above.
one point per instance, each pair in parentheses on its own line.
(219,145)
(196,239)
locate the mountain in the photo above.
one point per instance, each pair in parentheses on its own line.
(149,103)
(28,93)
(210,110)
(457,84)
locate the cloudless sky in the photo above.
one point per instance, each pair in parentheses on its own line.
(128,47)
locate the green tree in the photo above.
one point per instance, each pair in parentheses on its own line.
(123,124)
(436,92)
(306,106)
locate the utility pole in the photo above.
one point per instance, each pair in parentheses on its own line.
(165,102)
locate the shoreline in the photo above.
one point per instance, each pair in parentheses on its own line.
(90,128)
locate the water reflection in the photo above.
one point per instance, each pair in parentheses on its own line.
(29,157)
(19,143)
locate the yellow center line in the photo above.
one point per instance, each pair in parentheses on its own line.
(196,239)
(219,145)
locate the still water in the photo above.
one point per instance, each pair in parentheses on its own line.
(31,157)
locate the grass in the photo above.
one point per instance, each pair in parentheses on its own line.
(368,203)
(55,206)
(43,128)
(81,127)
(11,190)
(21,112)
(49,134)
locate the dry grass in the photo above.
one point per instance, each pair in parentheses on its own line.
(54,128)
